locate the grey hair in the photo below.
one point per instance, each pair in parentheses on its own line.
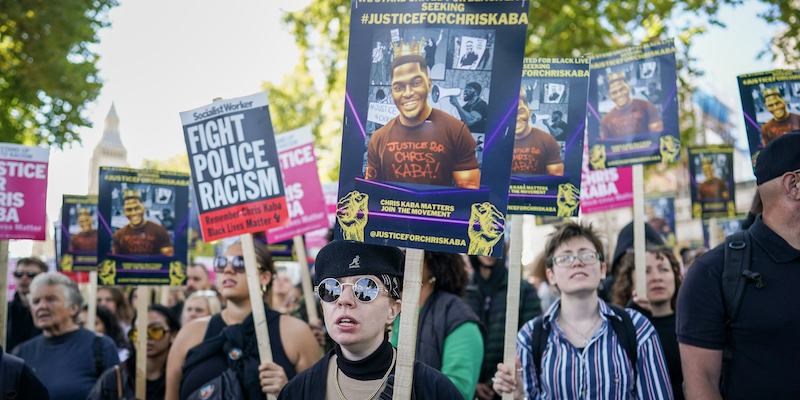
(71,292)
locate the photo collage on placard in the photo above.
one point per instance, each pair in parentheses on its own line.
(459,63)
(548,102)
(639,81)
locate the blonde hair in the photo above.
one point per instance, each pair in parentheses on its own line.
(212,300)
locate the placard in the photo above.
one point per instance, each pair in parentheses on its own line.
(144,218)
(549,131)
(711,175)
(78,234)
(605,189)
(771,106)
(235,170)
(726,226)
(434,174)
(304,197)
(23,191)
(659,212)
(633,106)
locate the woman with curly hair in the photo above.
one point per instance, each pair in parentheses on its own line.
(449,335)
(663,282)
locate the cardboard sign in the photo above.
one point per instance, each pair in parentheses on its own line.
(605,189)
(771,106)
(434,174)
(23,191)
(235,170)
(144,221)
(633,106)
(548,145)
(711,174)
(304,196)
(78,242)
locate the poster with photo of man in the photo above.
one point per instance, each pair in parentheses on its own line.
(771,106)
(659,212)
(633,106)
(143,227)
(430,150)
(78,233)
(711,175)
(548,137)
(726,226)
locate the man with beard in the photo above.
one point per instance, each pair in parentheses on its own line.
(535,151)
(474,112)
(86,239)
(421,145)
(557,126)
(782,122)
(630,116)
(140,236)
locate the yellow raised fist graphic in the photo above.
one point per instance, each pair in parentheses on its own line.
(670,148)
(597,156)
(568,200)
(697,210)
(486,227)
(351,211)
(66,262)
(176,273)
(731,209)
(108,272)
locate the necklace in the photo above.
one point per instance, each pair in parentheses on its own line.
(584,340)
(380,385)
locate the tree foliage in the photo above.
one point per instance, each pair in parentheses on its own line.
(176,163)
(47,72)
(314,93)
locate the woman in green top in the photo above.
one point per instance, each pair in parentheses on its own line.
(449,337)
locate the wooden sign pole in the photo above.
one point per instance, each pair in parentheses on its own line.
(91,312)
(712,233)
(305,280)
(409,319)
(638,231)
(256,300)
(3,292)
(512,298)
(141,341)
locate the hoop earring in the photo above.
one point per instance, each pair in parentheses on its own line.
(264,289)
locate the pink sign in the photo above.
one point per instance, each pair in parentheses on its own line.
(319,238)
(23,191)
(301,180)
(605,189)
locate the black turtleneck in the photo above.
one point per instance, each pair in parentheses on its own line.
(372,367)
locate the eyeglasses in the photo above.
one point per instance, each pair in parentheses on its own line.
(566,261)
(29,274)
(220,262)
(154,332)
(365,289)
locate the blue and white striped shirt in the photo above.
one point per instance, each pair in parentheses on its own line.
(602,370)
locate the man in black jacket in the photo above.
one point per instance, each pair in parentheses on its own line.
(20,322)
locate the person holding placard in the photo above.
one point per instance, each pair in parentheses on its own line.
(360,286)
(586,352)
(421,145)
(294,347)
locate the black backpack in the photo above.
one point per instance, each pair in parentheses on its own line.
(736,274)
(626,333)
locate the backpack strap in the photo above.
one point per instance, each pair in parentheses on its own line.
(626,333)
(11,370)
(735,276)
(99,360)
(539,338)
(389,389)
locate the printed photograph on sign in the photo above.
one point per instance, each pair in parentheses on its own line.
(633,106)
(711,175)
(426,137)
(660,214)
(548,137)
(144,224)
(79,225)
(725,227)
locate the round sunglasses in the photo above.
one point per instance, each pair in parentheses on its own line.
(365,289)
(154,332)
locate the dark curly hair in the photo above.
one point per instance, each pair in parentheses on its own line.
(449,271)
(622,291)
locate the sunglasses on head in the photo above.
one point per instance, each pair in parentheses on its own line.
(220,262)
(30,274)
(365,289)
(154,332)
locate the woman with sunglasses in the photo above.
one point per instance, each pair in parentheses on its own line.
(294,347)
(162,328)
(360,287)
(582,356)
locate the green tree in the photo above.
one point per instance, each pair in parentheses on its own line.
(314,92)
(176,163)
(47,72)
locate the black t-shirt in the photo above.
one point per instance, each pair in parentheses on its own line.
(483,109)
(766,356)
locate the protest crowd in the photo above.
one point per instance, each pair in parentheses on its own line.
(642,320)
